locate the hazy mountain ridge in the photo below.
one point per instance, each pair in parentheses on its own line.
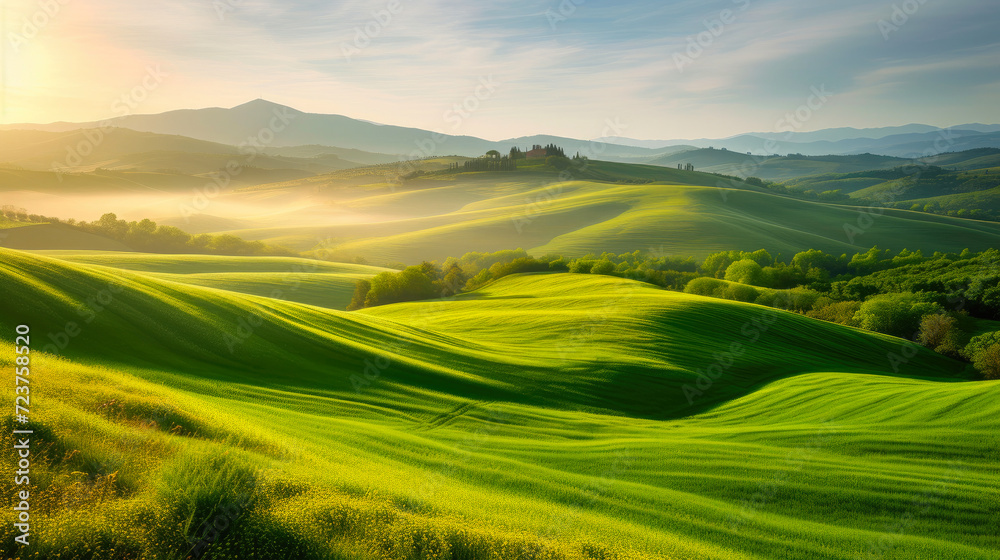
(273,126)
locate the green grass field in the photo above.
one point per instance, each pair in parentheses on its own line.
(601,207)
(450,215)
(542,416)
(313,282)
(28,236)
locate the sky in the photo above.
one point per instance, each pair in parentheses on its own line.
(581,68)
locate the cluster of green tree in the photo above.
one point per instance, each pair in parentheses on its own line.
(906,188)
(147,236)
(552,150)
(939,301)
(475,270)
(431,279)
(15,214)
(934,300)
(947,209)
(416,173)
(903,185)
(489,164)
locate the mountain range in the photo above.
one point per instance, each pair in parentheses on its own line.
(271,126)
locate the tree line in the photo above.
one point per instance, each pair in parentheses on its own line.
(146,236)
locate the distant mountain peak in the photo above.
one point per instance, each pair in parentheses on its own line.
(262,104)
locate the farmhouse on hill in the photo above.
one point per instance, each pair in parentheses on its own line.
(536,152)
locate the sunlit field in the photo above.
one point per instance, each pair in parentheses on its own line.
(455,429)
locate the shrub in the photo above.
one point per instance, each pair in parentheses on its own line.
(895,314)
(842,312)
(412,283)
(558,162)
(360,293)
(581,266)
(478,281)
(705,287)
(745,271)
(741,292)
(517,266)
(603,267)
(936,330)
(984,352)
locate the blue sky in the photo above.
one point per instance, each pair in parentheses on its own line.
(566,67)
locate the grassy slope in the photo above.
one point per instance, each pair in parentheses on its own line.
(313,282)
(541,405)
(45,236)
(580,217)
(114,182)
(448,215)
(682,213)
(776,168)
(986,200)
(125,149)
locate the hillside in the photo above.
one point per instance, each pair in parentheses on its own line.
(298,128)
(908,141)
(774,168)
(312,282)
(117,148)
(47,236)
(232,126)
(456,427)
(949,183)
(679,213)
(413,211)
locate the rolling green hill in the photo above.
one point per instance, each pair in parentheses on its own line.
(375,213)
(543,416)
(982,158)
(320,283)
(962,181)
(45,236)
(95,183)
(85,150)
(443,216)
(772,167)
